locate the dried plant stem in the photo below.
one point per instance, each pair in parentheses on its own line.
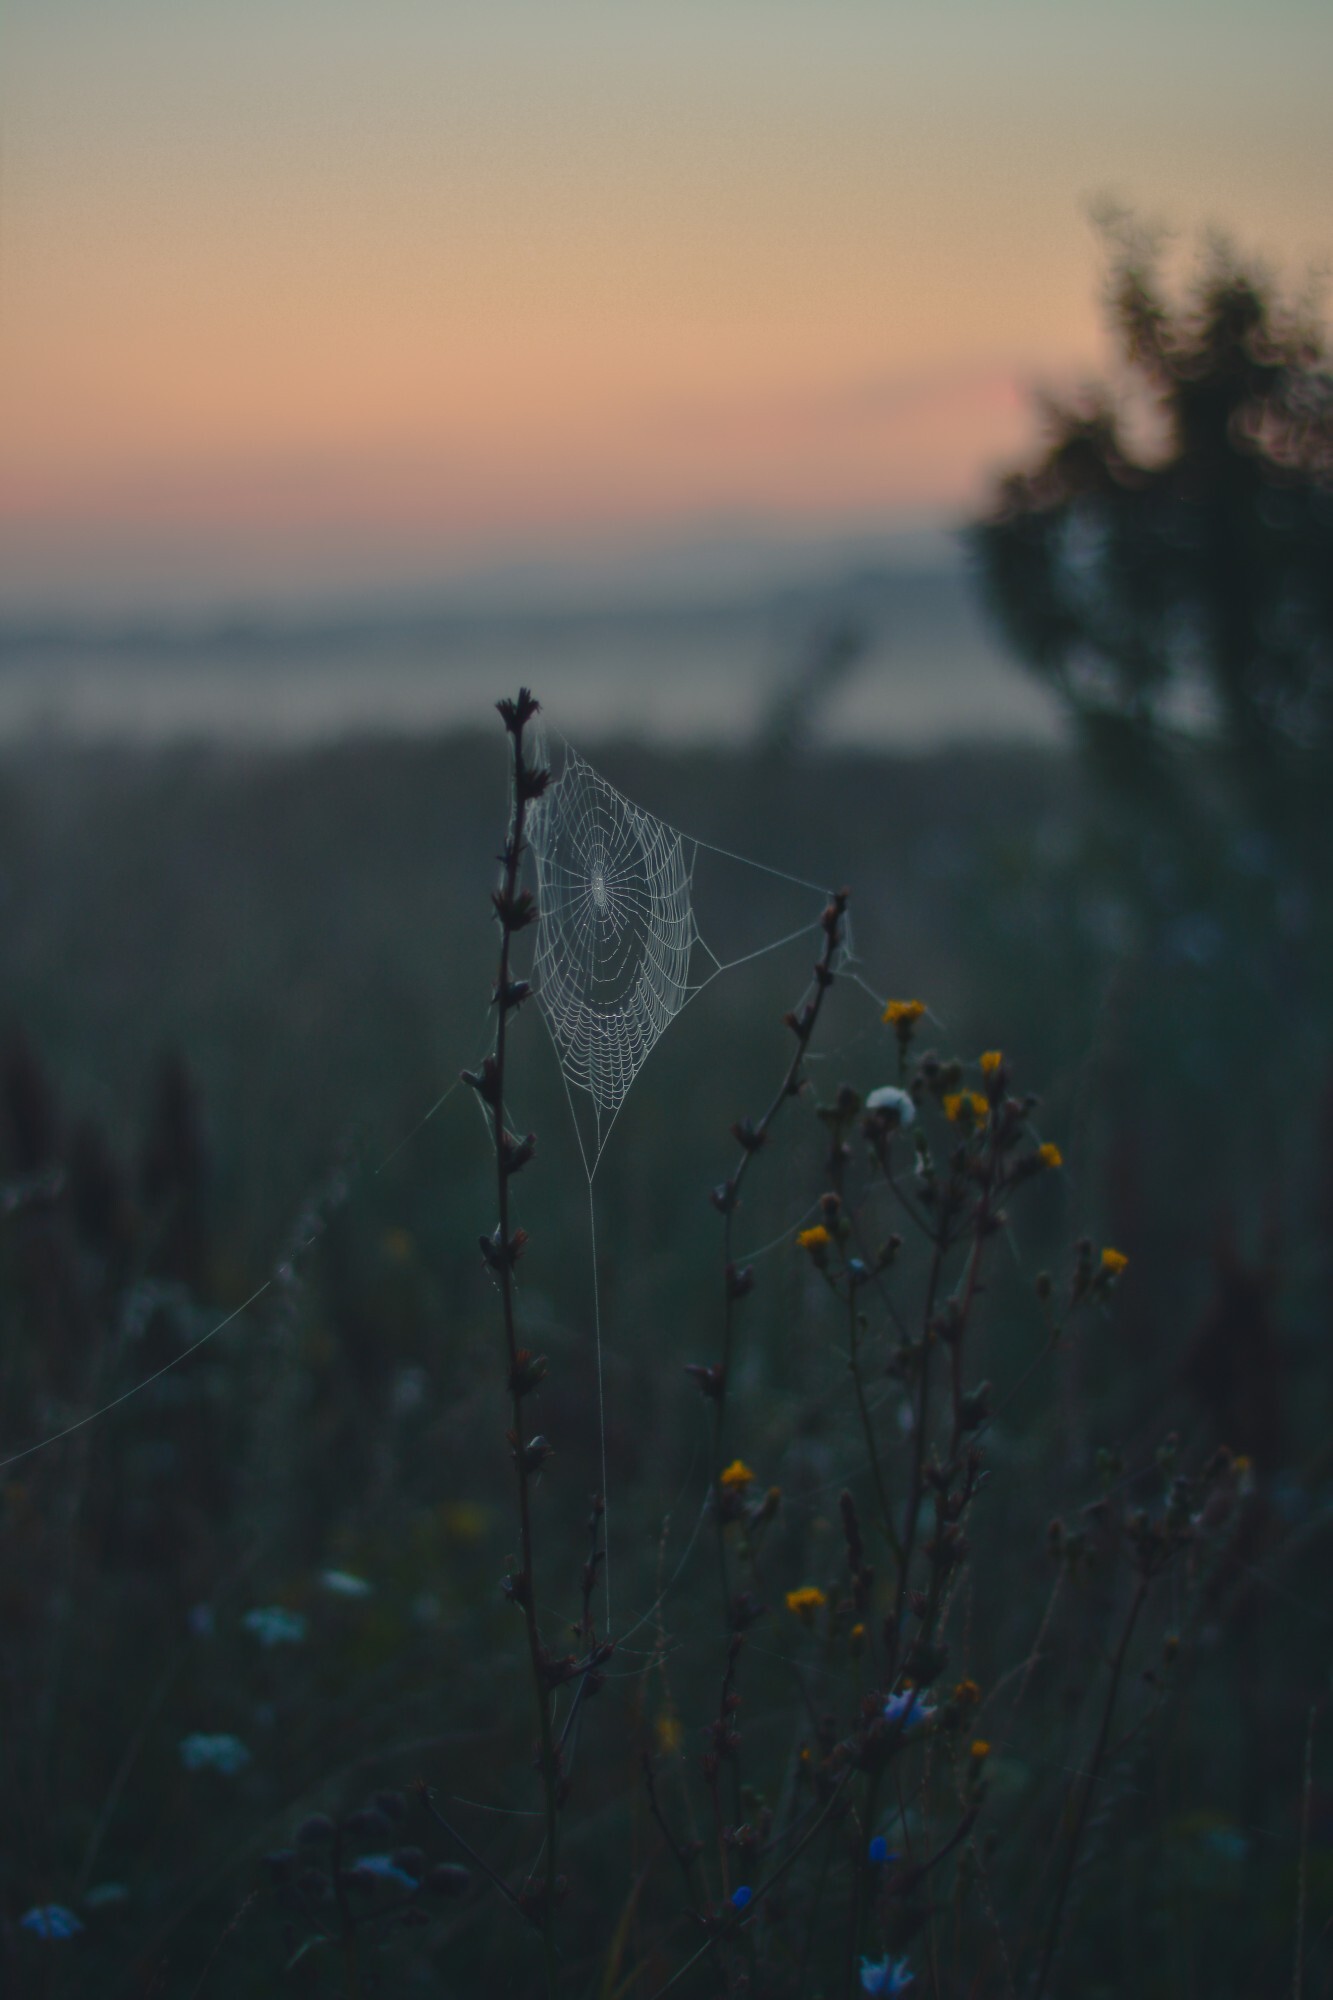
(981,1226)
(1094,1772)
(791,1859)
(478,1861)
(867,1426)
(856,1927)
(960,1306)
(1298,1970)
(523,1587)
(919,1431)
(839,1153)
(684,1859)
(1029,1665)
(802,1024)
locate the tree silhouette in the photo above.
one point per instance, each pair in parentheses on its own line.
(1167,562)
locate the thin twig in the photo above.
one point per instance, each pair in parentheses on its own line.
(1094,1772)
(802,1024)
(1298,1971)
(478,1860)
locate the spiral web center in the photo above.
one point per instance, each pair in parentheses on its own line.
(614,935)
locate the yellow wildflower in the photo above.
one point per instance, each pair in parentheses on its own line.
(980,1749)
(1113,1262)
(857,1635)
(670,1734)
(967,1691)
(904,1015)
(737,1476)
(817,1238)
(465,1520)
(804,1603)
(962,1105)
(991,1061)
(1050,1156)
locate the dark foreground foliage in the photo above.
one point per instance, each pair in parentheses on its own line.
(966,1581)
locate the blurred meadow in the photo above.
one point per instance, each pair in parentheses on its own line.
(871,1536)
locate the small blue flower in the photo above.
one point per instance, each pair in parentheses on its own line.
(225,1754)
(342,1583)
(910,1708)
(740,1897)
(882,1976)
(384,1869)
(879,1851)
(51,1922)
(272,1625)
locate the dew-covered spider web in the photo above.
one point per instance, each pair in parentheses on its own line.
(618,954)
(615,932)
(617,938)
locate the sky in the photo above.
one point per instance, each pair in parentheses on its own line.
(307,298)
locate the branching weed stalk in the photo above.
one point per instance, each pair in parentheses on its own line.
(515,909)
(752,1135)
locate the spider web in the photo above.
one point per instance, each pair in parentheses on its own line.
(615,933)
(615,937)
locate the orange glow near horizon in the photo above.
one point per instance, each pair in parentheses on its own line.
(370,301)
